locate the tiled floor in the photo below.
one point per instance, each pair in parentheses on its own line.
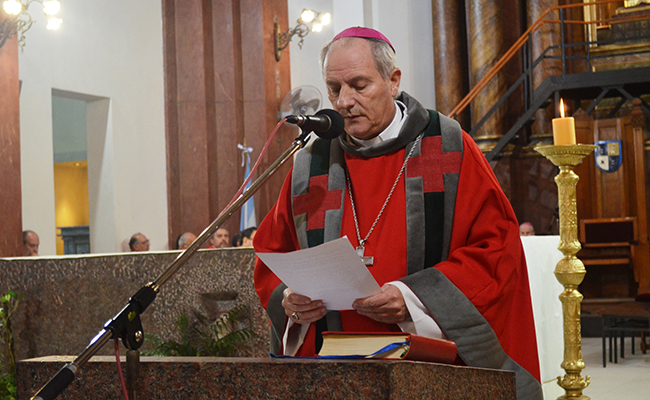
(628,379)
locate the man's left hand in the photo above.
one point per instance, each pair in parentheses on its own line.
(387,306)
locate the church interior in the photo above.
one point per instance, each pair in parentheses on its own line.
(128,119)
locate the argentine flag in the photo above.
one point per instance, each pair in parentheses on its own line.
(248,209)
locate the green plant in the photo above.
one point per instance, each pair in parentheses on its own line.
(8,305)
(222,338)
(7,388)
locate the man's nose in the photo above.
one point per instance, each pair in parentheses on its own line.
(346,98)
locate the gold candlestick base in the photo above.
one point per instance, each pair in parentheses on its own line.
(570,271)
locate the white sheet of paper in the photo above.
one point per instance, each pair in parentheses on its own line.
(332,272)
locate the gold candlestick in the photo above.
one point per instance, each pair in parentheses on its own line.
(569,270)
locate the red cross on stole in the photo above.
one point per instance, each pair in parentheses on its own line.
(432,164)
(317,201)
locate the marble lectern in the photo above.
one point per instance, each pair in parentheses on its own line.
(67,300)
(164,378)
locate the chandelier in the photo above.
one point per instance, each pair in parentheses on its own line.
(18,21)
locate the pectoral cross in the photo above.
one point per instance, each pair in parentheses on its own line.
(366,260)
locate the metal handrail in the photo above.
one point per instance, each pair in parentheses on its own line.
(525,37)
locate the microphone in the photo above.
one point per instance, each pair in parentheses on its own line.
(327,123)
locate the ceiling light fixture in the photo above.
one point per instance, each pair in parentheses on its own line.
(18,21)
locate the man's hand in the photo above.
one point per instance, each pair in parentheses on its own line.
(301,309)
(387,307)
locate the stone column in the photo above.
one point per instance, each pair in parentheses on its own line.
(493,26)
(222,87)
(187,121)
(10,188)
(450,57)
(547,35)
(265,82)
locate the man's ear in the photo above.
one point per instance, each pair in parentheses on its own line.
(395,79)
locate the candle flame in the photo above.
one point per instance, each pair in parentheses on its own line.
(562,108)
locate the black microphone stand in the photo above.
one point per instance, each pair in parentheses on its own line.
(126,324)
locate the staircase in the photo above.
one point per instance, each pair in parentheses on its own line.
(626,84)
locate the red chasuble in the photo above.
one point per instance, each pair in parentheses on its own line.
(370,192)
(469,266)
(479,294)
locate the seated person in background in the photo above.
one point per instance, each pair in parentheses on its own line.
(418,199)
(139,242)
(247,236)
(526,229)
(30,243)
(236,240)
(220,239)
(185,240)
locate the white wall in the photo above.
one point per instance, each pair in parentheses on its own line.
(407,24)
(109,53)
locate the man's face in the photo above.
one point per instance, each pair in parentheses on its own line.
(31,244)
(246,242)
(526,230)
(357,91)
(221,238)
(142,244)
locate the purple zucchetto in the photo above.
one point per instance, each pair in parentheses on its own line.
(359,31)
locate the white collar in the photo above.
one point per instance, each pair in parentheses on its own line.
(391,131)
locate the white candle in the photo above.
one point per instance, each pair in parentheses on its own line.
(564,128)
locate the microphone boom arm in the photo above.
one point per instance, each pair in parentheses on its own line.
(119,326)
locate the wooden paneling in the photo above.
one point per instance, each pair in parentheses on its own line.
(611,197)
(611,186)
(586,193)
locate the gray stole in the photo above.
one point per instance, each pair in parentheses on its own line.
(429,222)
(319,174)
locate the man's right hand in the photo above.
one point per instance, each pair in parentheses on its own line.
(301,309)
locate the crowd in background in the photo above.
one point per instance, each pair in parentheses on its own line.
(139,242)
(220,239)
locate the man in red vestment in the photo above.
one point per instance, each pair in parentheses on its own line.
(418,199)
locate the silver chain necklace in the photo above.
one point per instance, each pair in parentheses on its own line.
(369,260)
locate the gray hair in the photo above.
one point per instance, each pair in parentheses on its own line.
(381,51)
(183,239)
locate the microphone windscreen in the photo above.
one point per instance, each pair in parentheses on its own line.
(337,125)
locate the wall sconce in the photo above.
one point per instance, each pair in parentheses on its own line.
(315,18)
(19,21)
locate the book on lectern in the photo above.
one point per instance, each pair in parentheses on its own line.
(387,345)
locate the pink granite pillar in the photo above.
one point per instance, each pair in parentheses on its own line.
(222,87)
(10,189)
